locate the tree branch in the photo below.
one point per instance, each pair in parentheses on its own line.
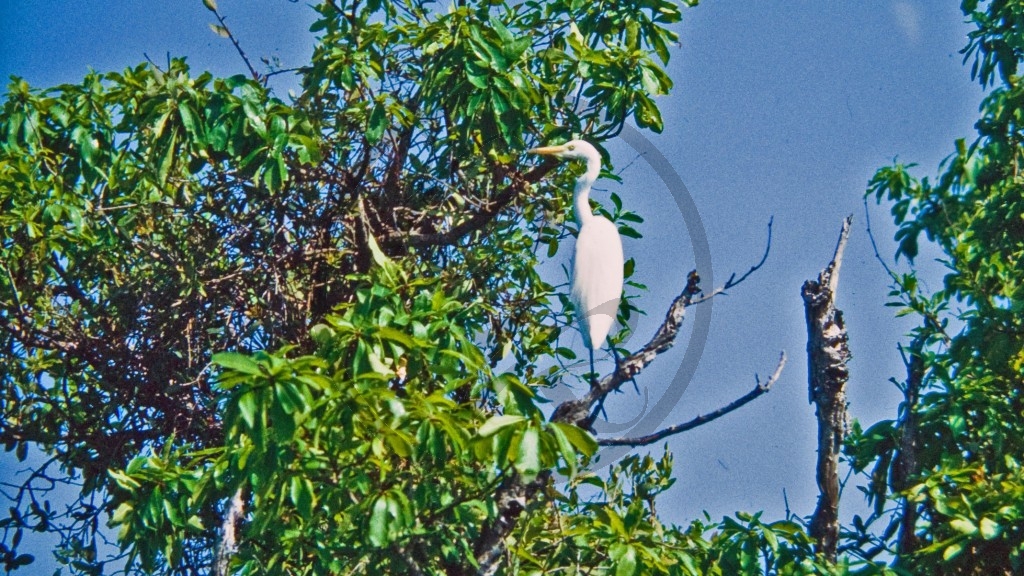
(410,562)
(238,47)
(511,497)
(520,184)
(759,389)
(905,461)
(827,373)
(932,321)
(229,533)
(578,412)
(733,281)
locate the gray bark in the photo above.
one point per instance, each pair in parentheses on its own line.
(827,354)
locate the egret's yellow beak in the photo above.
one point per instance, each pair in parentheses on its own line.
(547,150)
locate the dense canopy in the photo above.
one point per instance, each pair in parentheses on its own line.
(307,335)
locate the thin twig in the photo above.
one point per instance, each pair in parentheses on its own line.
(874,246)
(759,389)
(930,318)
(238,47)
(733,281)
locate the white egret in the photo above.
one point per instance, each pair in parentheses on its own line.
(597,260)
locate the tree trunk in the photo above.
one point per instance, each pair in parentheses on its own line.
(905,465)
(827,354)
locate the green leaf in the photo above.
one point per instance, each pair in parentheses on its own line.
(989,529)
(211,5)
(167,161)
(566,353)
(565,448)
(624,557)
(963,526)
(629,232)
(291,398)
(378,533)
(528,459)
(20,560)
(579,437)
(389,333)
(188,120)
(301,494)
(377,123)
(123,480)
(237,362)
(386,265)
(247,407)
(219,30)
(611,518)
(496,423)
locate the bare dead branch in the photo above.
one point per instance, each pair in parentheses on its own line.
(578,411)
(827,355)
(760,388)
(733,281)
(514,492)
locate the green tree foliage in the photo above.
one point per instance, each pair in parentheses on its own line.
(953,458)
(323,313)
(209,292)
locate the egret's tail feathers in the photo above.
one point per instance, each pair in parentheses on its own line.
(596,322)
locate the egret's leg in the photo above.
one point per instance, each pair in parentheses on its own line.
(615,355)
(593,384)
(593,374)
(599,409)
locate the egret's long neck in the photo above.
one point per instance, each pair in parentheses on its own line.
(581,194)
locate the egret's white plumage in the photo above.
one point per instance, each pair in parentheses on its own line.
(597,261)
(597,279)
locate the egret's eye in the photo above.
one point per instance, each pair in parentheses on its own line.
(571,147)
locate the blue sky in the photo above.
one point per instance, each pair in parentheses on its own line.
(780,110)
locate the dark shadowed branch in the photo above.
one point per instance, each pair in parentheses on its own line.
(905,462)
(490,209)
(759,389)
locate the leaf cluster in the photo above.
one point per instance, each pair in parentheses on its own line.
(951,458)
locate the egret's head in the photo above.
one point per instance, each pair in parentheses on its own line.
(573,149)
